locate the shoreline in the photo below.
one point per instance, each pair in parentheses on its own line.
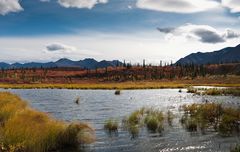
(115,86)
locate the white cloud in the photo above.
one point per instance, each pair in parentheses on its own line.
(81,3)
(177,6)
(202,33)
(233,5)
(7,6)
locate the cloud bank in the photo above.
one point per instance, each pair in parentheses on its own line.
(202,33)
(8,6)
(81,3)
(177,6)
(188,6)
(233,5)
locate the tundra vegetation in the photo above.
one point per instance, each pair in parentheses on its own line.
(23,129)
(211,116)
(124,76)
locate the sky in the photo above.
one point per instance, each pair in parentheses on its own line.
(131,30)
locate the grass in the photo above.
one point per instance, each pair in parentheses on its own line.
(111,125)
(227,91)
(191,90)
(26,130)
(210,115)
(236,149)
(151,118)
(117,92)
(233,91)
(170,117)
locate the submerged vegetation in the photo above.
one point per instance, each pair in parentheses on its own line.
(23,129)
(201,117)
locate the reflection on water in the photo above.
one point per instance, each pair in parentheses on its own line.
(96,106)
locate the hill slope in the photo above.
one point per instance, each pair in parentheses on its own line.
(226,55)
(66,63)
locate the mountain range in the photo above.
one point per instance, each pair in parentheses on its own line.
(84,64)
(226,55)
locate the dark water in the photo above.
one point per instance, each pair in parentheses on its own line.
(96,106)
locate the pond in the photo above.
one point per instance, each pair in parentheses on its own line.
(97,106)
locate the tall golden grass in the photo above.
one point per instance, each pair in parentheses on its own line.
(24,129)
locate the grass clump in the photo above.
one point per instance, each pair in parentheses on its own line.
(227,91)
(111,125)
(26,130)
(236,149)
(152,119)
(117,92)
(211,116)
(191,90)
(170,117)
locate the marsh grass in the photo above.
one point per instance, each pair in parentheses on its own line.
(26,130)
(111,125)
(117,92)
(151,118)
(227,91)
(225,120)
(170,117)
(215,91)
(236,149)
(191,90)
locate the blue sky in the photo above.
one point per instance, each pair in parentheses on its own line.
(115,29)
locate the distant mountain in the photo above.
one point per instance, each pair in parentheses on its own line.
(226,55)
(64,62)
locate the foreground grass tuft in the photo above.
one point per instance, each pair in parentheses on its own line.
(26,130)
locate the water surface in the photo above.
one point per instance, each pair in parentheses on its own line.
(96,106)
